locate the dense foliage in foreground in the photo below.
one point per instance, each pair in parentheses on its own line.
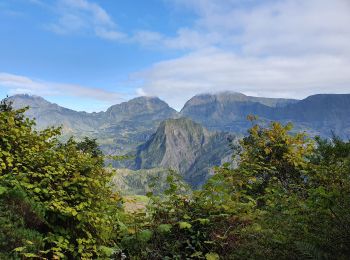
(55,200)
(288,198)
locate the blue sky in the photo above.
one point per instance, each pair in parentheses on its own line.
(89,54)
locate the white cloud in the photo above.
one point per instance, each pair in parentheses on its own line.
(264,27)
(84,16)
(282,48)
(147,38)
(140,92)
(109,34)
(214,70)
(17,84)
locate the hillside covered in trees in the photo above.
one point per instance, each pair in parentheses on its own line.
(288,197)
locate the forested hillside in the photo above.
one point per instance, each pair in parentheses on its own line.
(288,198)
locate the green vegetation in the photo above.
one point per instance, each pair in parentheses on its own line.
(288,198)
(55,198)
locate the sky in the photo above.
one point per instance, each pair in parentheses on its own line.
(90,54)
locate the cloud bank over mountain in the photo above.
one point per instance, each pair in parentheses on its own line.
(175,49)
(286,48)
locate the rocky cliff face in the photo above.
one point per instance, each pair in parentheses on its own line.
(184,146)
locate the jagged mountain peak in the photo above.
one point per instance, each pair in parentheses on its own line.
(174,140)
(27,96)
(173,132)
(147,98)
(22,100)
(140,106)
(144,100)
(185,146)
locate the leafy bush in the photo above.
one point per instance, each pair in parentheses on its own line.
(56,198)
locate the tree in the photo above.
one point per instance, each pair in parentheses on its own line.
(295,194)
(60,192)
(274,153)
(89,146)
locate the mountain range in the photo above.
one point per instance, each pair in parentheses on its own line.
(322,114)
(195,139)
(118,130)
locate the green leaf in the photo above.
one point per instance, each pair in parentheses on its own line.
(184,225)
(212,256)
(19,249)
(2,190)
(164,228)
(107,251)
(31,255)
(197,254)
(204,221)
(145,235)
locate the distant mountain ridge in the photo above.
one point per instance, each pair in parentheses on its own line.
(194,140)
(318,114)
(140,108)
(125,126)
(229,97)
(49,114)
(121,128)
